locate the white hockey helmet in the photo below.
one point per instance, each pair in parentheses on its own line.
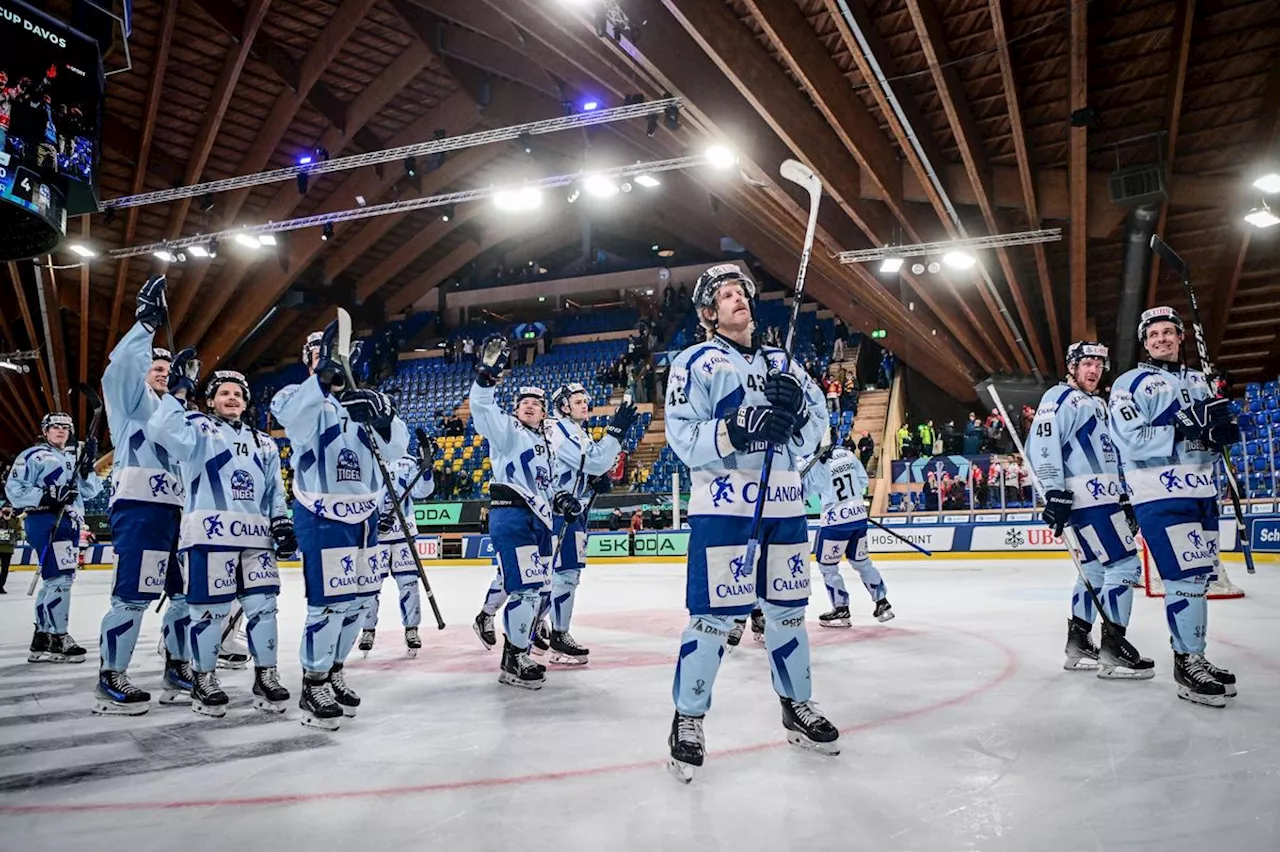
(1082,349)
(1151,316)
(221,376)
(537,393)
(312,344)
(564,393)
(56,418)
(715,277)
(159,353)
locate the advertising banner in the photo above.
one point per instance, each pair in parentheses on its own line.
(428,546)
(608,544)
(1015,537)
(437,514)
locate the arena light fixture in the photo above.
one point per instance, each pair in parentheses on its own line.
(1268,183)
(82,250)
(959,259)
(165,255)
(917,269)
(720,157)
(249,241)
(934,267)
(516,200)
(267,239)
(198,250)
(891,264)
(1022,238)
(1262,217)
(600,186)
(647,181)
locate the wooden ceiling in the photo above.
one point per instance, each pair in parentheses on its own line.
(987,89)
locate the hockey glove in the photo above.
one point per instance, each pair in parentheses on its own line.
(601,484)
(58,496)
(492,363)
(1219,436)
(370,408)
(784,391)
(183,373)
(1057,509)
(328,368)
(621,421)
(282,534)
(88,455)
(1130,518)
(386,523)
(153,307)
(567,507)
(752,425)
(1190,423)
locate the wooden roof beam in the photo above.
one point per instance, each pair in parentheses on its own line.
(47,295)
(409,251)
(22,389)
(928,26)
(37,340)
(83,350)
(1077,170)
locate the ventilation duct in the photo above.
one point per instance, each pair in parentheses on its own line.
(1139,227)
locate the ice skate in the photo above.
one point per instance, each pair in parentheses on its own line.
(412,641)
(540,639)
(837,617)
(116,696)
(268,694)
(207,697)
(1222,676)
(39,648)
(808,728)
(735,634)
(883,610)
(1195,682)
(1082,654)
(319,709)
(63,649)
(518,669)
(234,656)
(688,747)
(177,682)
(1119,660)
(566,651)
(483,626)
(366,641)
(757,625)
(343,694)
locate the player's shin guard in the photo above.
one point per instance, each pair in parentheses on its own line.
(55,598)
(1187,611)
(1081,601)
(787,643)
(835,584)
(119,633)
(701,650)
(349,630)
(260,626)
(207,621)
(320,638)
(518,616)
(175,627)
(371,610)
(1119,580)
(871,579)
(495,597)
(564,588)
(410,600)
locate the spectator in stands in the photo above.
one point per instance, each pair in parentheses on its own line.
(10,535)
(469,349)
(1012,484)
(637,524)
(973,436)
(683,294)
(837,349)
(850,402)
(1028,415)
(978,485)
(930,492)
(866,448)
(833,394)
(952,441)
(615,519)
(904,441)
(1024,481)
(819,344)
(842,331)
(449,351)
(484,518)
(995,476)
(995,433)
(925,433)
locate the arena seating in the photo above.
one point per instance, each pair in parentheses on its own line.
(1257,457)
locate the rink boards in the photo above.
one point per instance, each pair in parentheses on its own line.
(999,535)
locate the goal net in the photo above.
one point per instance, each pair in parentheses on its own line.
(1220,585)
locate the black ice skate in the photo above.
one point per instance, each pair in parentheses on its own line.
(343,694)
(1224,677)
(1082,654)
(268,694)
(565,650)
(1118,659)
(319,709)
(177,681)
(483,626)
(39,648)
(757,625)
(207,697)
(1195,682)
(116,696)
(540,639)
(518,669)
(837,617)
(366,641)
(232,660)
(412,641)
(63,649)
(688,747)
(808,728)
(883,610)
(735,634)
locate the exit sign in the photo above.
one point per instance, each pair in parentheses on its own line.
(878,334)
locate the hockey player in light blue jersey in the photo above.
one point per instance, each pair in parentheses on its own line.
(414,480)
(1169,428)
(728,404)
(337,491)
(1071,451)
(51,481)
(234,527)
(521,500)
(840,481)
(146,509)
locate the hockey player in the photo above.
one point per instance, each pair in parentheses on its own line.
(840,481)
(146,509)
(521,498)
(1075,460)
(1169,429)
(234,527)
(728,404)
(413,480)
(51,481)
(337,491)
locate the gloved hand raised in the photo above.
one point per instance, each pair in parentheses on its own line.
(751,425)
(784,391)
(622,420)
(492,363)
(88,455)
(153,306)
(183,373)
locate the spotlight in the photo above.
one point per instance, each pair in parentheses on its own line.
(654,247)
(447,214)
(934,267)
(671,115)
(651,124)
(198,251)
(82,250)
(326,232)
(1262,217)
(165,255)
(526,143)
(891,264)
(626,186)
(917,269)
(267,239)
(411,166)
(573,196)
(589,106)
(647,181)
(959,259)
(1269,183)
(720,157)
(525,198)
(305,161)
(321,155)
(248,241)
(360,202)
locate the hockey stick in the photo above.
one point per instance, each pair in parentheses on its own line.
(796,172)
(899,537)
(1175,261)
(343,356)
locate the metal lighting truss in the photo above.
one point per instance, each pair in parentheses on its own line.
(1023,238)
(619,172)
(420,149)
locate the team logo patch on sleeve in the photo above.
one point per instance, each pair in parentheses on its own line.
(348,466)
(241,485)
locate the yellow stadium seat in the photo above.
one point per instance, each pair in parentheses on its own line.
(457,465)
(476,476)
(448,454)
(486,464)
(466,453)
(476,440)
(439,465)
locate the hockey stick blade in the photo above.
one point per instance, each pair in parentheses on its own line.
(797,172)
(343,346)
(1170,257)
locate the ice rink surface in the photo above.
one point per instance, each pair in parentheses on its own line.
(959,728)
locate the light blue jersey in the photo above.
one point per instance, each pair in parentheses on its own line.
(42,466)
(404,471)
(231,475)
(579,457)
(1158,465)
(334,473)
(521,456)
(1070,447)
(142,470)
(840,483)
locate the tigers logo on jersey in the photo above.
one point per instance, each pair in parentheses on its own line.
(348,466)
(241,485)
